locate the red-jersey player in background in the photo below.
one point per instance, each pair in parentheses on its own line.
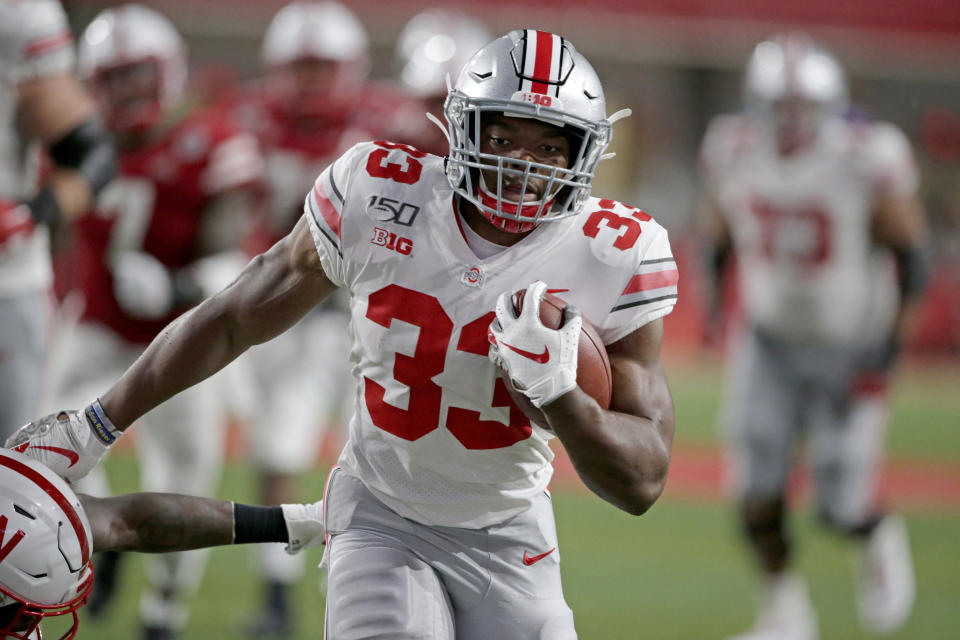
(151,248)
(306,110)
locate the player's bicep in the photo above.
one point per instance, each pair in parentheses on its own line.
(899,221)
(639,381)
(277,288)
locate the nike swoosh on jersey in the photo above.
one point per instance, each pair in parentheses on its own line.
(556,291)
(72,456)
(529,560)
(539,358)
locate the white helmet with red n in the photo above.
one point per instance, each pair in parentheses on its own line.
(45,547)
(436,43)
(532,74)
(794,84)
(317,57)
(136,63)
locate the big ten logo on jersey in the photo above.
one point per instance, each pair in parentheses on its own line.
(384,209)
(627,226)
(390,240)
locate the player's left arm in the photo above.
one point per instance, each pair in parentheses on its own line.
(899,223)
(622,454)
(163,522)
(57,110)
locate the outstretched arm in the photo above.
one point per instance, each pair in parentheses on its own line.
(162,522)
(275,290)
(157,522)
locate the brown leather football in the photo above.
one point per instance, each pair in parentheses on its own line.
(593,364)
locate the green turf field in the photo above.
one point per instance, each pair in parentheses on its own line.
(678,572)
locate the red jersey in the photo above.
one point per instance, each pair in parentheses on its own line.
(155,205)
(297,148)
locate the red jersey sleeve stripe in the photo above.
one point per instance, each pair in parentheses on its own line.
(51,490)
(655,280)
(48,43)
(329,212)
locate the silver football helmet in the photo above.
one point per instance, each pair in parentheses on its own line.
(794,84)
(45,546)
(527,74)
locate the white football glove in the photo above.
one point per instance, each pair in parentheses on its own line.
(142,285)
(67,442)
(304,526)
(541,362)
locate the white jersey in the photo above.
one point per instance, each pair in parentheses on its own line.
(35,41)
(801,225)
(433,434)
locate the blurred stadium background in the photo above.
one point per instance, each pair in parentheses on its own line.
(678,572)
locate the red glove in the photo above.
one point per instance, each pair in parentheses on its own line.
(16,222)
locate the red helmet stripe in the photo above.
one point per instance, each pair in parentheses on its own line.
(543,62)
(51,490)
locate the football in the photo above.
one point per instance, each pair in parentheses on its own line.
(593,364)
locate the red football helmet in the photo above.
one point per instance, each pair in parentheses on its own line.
(316,58)
(45,546)
(136,64)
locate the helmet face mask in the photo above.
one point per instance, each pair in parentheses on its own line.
(526,74)
(22,619)
(793,85)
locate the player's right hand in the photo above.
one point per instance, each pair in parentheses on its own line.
(16,222)
(64,441)
(304,526)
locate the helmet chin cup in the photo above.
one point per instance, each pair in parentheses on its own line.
(492,209)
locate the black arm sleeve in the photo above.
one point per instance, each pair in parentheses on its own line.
(912,270)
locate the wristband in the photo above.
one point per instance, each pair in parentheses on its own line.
(258,524)
(100,424)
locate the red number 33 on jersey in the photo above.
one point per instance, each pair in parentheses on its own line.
(408,172)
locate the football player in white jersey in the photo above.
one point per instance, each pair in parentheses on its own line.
(49,533)
(41,105)
(438,514)
(818,207)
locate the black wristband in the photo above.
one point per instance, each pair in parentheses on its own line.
(87,148)
(258,524)
(45,209)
